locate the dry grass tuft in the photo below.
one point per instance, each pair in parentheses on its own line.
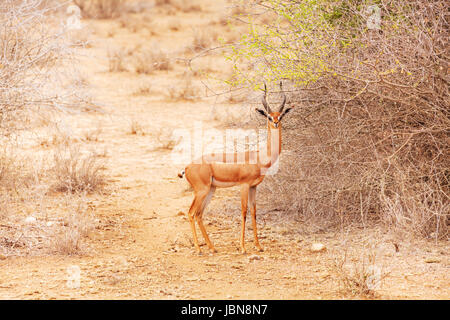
(238,97)
(136,23)
(144,90)
(185,90)
(77,224)
(160,3)
(92,135)
(116,60)
(74,173)
(136,128)
(165,139)
(180,5)
(359,278)
(100,9)
(203,40)
(8,172)
(147,62)
(14,175)
(174,25)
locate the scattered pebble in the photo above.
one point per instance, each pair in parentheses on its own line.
(210,264)
(318,247)
(255,257)
(432,260)
(192,279)
(30,220)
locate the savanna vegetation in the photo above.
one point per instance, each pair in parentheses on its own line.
(370,85)
(91,92)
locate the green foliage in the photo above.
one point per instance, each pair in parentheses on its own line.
(279,47)
(303,39)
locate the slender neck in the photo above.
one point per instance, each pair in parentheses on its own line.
(273,142)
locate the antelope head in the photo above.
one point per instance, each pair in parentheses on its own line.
(273,118)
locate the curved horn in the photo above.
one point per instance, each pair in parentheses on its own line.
(264,101)
(284,97)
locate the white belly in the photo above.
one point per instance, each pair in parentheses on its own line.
(221,184)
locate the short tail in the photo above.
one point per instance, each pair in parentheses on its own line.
(181,174)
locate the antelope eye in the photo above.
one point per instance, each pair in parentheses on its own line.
(271,118)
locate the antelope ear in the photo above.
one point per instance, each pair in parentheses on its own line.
(286,111)
(262,112)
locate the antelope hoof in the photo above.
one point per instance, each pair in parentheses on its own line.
(243,251)
(213,250)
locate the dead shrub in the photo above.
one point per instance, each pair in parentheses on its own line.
(418,210)
(75,173)
(368,139)
(32,53)
(100,9)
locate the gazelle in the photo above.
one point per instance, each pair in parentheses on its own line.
(208,174)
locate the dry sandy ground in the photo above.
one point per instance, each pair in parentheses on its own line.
(142,248)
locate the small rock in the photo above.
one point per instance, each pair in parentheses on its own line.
(432,260)
(255,257)
(50,223)
(318,247)
(192,279)
(211,264)
(30,220)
